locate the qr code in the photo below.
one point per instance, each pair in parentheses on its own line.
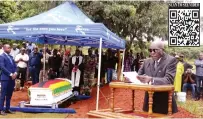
(184,24)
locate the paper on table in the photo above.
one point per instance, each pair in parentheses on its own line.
(132,76)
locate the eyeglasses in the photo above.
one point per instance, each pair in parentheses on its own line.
(154,50)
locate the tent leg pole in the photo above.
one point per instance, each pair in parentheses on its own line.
(123,64)
(119,65)
(99,70)
(44,61)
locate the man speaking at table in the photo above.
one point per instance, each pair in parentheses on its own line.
(8,76)
(160,69)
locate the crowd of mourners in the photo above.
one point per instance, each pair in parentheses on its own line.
(44,64)
(185,79)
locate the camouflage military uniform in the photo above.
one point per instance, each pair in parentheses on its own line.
(89,63)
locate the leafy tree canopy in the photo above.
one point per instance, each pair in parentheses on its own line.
(130,19)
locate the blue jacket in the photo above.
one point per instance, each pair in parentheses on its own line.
(7,67)
(35,59)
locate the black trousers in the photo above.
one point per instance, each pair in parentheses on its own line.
(160,103)
(22,75)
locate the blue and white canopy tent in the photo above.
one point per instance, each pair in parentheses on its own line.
(66,25)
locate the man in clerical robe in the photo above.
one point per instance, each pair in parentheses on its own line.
(76,68)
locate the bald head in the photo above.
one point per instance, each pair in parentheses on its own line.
(7,48)
(157,45)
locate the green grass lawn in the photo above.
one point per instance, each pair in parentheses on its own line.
(35,115)
(194,107)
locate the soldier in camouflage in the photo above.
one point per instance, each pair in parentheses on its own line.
(89,65)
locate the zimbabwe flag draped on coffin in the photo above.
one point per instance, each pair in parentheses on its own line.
(57,86)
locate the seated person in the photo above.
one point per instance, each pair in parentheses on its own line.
(189,82)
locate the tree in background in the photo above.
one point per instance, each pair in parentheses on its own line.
(17,10)
(130,19)
(136,20)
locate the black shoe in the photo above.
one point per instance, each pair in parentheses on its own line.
(2,113)
(101,85)
(10,112)
(87,93)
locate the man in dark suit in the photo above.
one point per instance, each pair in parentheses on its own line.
(160,69)
(8,76)
(35,65)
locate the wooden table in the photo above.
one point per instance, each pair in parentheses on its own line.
(150,88)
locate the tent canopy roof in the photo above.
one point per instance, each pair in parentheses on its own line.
(65,24)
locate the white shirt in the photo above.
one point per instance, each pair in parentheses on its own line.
(14,52)
(1,51)
(31,46)
(158,60)
(152,81)
(22,64)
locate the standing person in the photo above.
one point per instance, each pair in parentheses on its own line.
(89,70)
(30,46)
(24,45)
(76,67)
(55,62)
(96,55)
(137,62)
(127,62)
(8,76)
(111,64)
(142,56)
(131,59)
(26,51)
(179,74)
(173,54)
(22,60)
(35,65)
(44,74)
(1,49)
(199,73)
(14,51)
(47,49)
(160,69)
(103,68)
(65,64)
(186,65)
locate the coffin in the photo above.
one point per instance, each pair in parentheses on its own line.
(50,92)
